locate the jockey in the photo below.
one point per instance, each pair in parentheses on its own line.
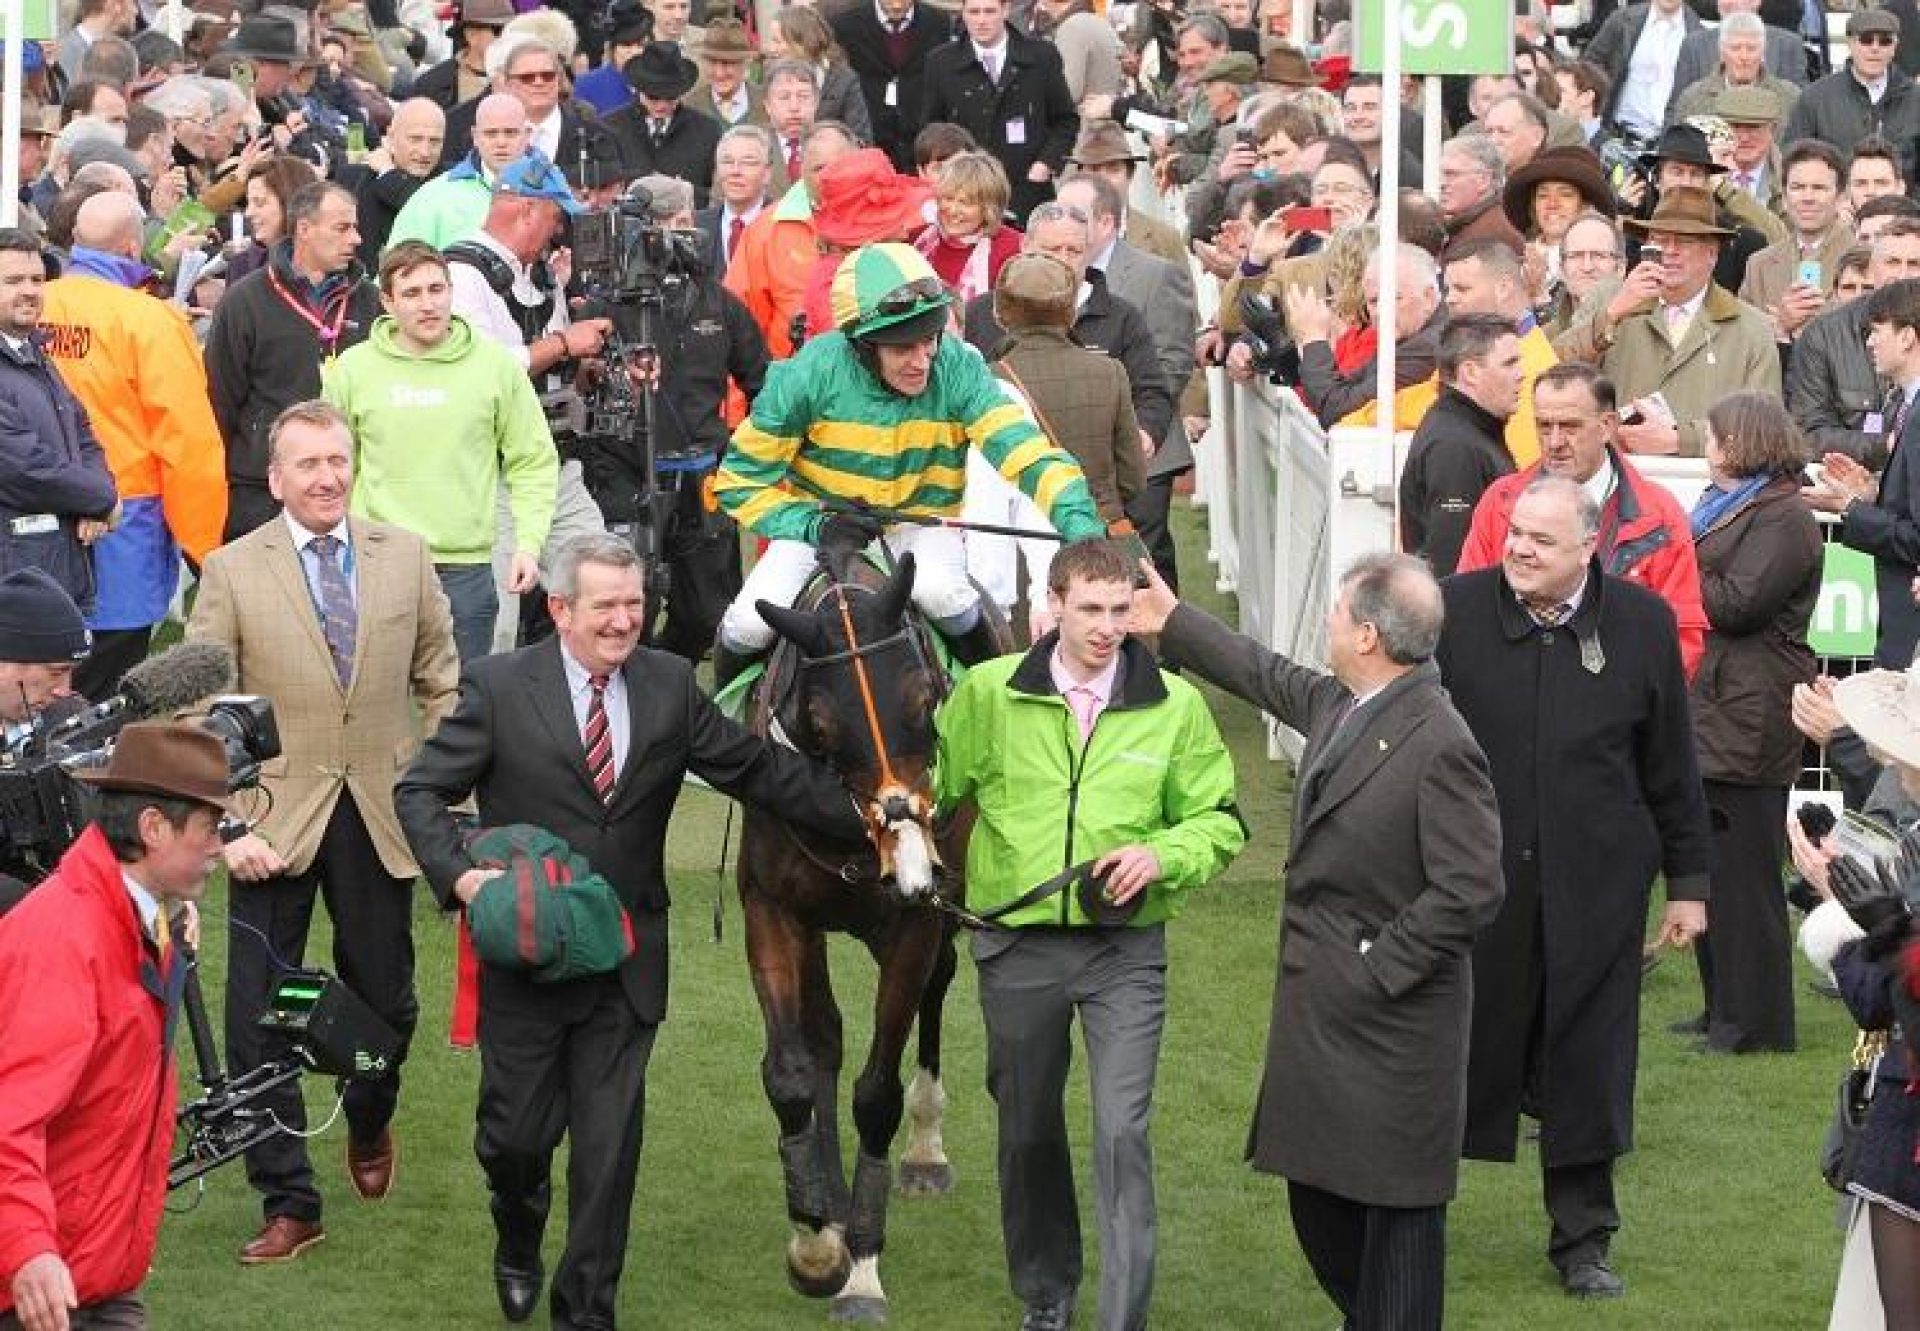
(882,410)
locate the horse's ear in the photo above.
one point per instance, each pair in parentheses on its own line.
(802,630)
(893,597)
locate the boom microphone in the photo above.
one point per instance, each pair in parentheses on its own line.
(178,677)
(160,685)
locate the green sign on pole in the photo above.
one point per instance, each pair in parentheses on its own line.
(1438,36)
(1846,618)
(39,20)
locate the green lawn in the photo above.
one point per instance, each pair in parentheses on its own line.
(1726,1221)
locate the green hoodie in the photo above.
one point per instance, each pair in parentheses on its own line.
(435,435)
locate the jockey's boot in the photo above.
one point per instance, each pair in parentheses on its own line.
(727,664)
(976,644)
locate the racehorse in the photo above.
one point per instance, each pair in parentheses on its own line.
(855,684)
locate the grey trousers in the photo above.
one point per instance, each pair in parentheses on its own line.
(1032,983)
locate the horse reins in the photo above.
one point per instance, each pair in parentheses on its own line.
(858,656)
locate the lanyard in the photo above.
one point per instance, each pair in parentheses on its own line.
(329,337)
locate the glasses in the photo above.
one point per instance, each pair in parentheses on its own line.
(535,76)
(1876,39)
(1340,189)
(1591,256)
(914,296)
(1056,212)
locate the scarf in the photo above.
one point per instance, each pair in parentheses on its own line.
(1715,504)
(114,268)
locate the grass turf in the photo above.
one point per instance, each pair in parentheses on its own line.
(1726,1223)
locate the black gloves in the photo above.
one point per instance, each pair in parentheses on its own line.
(1872,897)
(847,534)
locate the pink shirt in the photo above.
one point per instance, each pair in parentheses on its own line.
(1086,700)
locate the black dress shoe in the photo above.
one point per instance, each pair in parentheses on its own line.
(1691,1026)
(1048,1316)
(518,1288)
(1592,1280)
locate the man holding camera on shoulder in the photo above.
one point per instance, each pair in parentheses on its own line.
(42,640)
(90,985)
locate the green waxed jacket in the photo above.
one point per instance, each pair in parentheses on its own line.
(1154,771)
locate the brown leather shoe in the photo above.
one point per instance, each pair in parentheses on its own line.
(370,1166)
(281,1239)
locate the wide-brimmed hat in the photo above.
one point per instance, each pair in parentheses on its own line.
(1288,66)
(1748,105)
(661,71)
(1102,143)
(1233,67)
(1863,21)
(1681,143)
(268,37)
(39,119)
(1575,166)
(165,758)
(39,622)
(1882,707)
(861,200)
(486,13)
(726,39)
(1684,210)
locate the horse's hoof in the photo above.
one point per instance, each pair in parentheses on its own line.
(862,1309)
(818,1263)
(921,1178)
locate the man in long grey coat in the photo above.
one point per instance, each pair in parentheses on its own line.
(1393,872)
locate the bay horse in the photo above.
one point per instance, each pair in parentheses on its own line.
(854,683)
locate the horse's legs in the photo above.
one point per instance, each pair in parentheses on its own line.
(924,1170)
(777,951)
(820,1020)
(906,954)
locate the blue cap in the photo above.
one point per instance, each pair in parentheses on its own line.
(32,58)
(533,176)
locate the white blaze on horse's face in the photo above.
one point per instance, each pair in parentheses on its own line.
(902,838)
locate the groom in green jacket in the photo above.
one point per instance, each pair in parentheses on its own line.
(1081,752)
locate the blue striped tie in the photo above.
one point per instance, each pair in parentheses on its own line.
(339,621)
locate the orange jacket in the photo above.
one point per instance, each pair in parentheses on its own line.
(131,360)
(769,272)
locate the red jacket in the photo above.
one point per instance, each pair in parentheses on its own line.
(1645,537)
(86,1080)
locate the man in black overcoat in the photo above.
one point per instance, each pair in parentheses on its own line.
(1010,92)
(1571,681)
(570,1057)
(1393,871)
(887,45)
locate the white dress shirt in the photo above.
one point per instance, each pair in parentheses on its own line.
(1643,102)
(580,692)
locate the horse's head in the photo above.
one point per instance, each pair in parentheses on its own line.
(864,704)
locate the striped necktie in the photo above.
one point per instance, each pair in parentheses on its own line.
(339,621)
(598,738)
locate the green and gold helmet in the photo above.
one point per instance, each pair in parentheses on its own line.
(888,293)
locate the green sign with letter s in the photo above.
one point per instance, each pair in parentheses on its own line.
(1846,619)
(1438,36)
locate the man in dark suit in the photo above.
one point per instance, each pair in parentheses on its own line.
(1103,321)
(530,72)
(342,622)
(742,171)
(1571,681)
(1008,91)
(657,135)
(589,738)
(1642,106)
(889,54)
(1393,871)
(1882,517)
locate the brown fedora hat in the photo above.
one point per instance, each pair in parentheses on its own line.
(485,13)
(726,39)
(1288,66)
(165,758)
(1572,165)
(1102,143)
(1685,210)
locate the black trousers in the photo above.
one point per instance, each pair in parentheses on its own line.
(113,654)
(1581,1205)
(1746,955)
(124,1312)
(372,915)
(1150,512)
(1384,1267)
(576,1067)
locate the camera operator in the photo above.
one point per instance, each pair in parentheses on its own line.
(42,638)
(705,337)
(90,982)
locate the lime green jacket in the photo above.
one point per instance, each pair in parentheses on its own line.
(826,427)
(1154,772)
